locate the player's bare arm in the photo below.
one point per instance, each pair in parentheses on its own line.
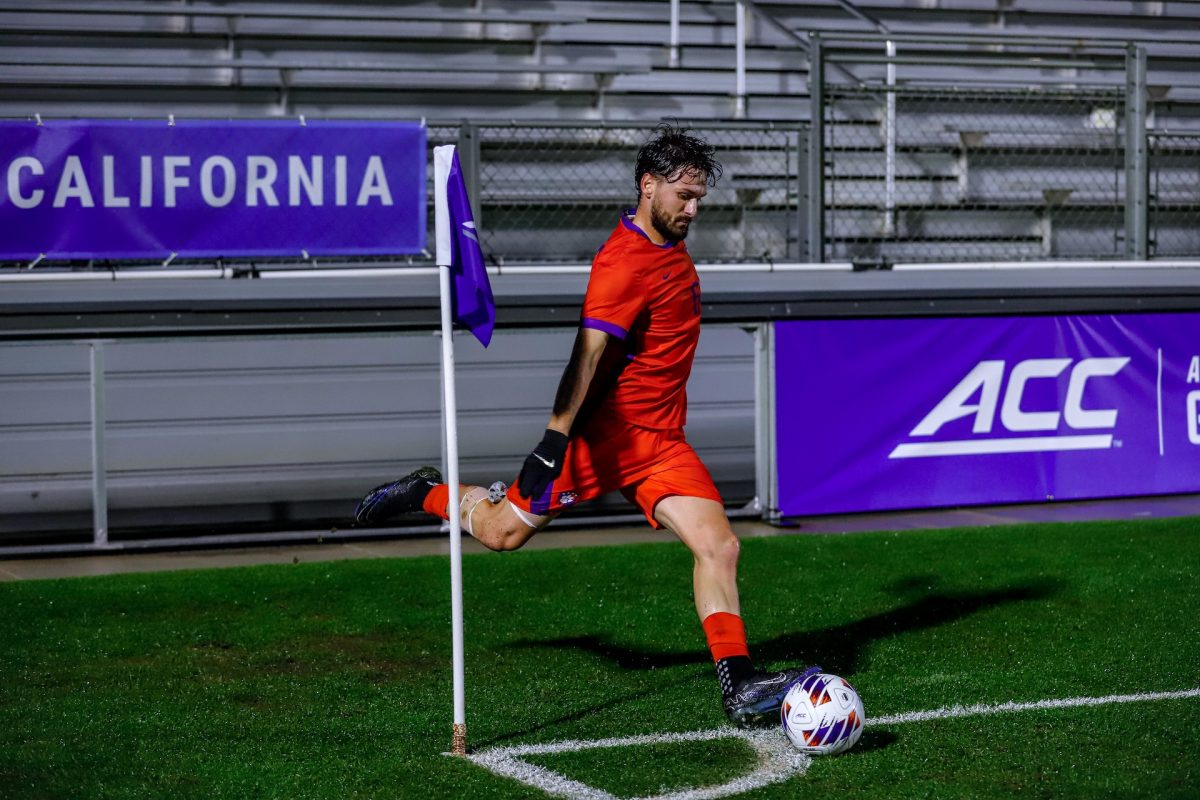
(577,378)
(545,463)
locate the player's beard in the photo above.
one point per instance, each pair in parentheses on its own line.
(673,230)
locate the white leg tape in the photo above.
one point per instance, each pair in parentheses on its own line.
(531,521)
(470,501)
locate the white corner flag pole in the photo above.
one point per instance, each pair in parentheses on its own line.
(442,158)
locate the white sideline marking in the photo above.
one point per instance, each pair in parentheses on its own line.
(777,759)
(1007,708)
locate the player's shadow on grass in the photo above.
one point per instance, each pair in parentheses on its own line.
(838,649)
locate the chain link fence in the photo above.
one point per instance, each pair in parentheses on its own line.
(953,174)
(972,174)
(1174,200)
(552,193)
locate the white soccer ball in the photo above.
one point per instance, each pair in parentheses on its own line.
(823,715)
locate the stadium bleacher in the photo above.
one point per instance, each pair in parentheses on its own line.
(582,60)
(1008,143)
(534,60)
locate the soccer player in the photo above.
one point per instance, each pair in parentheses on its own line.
(618,416)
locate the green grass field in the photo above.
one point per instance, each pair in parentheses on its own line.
(333,680)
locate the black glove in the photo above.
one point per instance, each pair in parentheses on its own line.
(543,465)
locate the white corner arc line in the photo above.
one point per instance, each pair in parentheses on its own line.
(777,759)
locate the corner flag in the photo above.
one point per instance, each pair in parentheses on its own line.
(458,247)
(466,298)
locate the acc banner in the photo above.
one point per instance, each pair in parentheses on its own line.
(914,413)
(146,189)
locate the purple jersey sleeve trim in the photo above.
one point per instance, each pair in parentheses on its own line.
(541,505)
(607,327)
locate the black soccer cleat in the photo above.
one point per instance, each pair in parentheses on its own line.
(757,700)
(399,497)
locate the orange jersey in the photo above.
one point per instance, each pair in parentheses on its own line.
(648,296)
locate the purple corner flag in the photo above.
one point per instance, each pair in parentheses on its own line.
(472,303)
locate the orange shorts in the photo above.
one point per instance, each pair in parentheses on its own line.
(609,455)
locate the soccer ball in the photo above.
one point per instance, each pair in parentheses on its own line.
(823,715)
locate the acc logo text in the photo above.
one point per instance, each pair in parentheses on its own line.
(986,380)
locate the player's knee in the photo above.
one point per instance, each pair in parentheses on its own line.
(719,546)
(510,543)
(506,537)
(729,550)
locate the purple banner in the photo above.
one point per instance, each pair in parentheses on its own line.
(120,189)
(916,413)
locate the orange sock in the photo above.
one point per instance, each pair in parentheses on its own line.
(437,500)
(726,635)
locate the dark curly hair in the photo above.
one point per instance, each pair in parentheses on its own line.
(674,153)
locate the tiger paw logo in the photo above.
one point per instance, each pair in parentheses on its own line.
(567,498)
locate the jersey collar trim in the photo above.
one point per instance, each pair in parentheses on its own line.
(627,221)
